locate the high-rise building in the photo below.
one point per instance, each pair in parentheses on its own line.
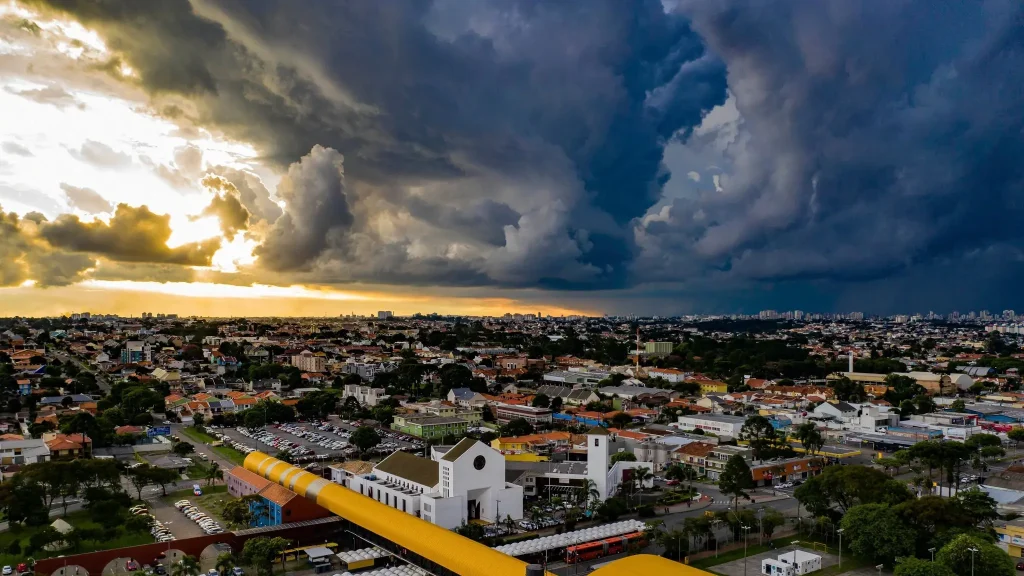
(385,314)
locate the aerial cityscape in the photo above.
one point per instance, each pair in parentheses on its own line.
(511,288)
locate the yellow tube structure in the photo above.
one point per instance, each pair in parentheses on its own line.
(443,547)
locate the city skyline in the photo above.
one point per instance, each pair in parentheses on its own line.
(649,157)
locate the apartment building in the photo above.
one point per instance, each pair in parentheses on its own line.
(366,395)
(307,361)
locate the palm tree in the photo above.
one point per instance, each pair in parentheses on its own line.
(587,494)
(225,562)
(537,513)
(187,566)
(213,473)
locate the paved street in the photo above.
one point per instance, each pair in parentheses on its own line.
(101,379)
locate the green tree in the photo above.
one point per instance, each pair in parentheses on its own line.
(611,509)
(261,552)
(761,435)
(225,562)
(319,404)
(770,520)
(875,531)
(183,448)
(911,566)
(988,560)
(1016,434)
(839,488)
(622,420)
(623,457)
(253,419)
(541,401)
(365,438)
(517,427)
(958,405)
(810,438)
(848,391)
(736,479)
(238,513)
(187,566)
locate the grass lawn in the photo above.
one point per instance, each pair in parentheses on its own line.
(82,520)
(738,554)
(225,451)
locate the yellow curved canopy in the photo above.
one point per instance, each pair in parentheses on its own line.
(456,553)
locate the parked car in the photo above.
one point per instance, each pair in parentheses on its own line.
(8,571)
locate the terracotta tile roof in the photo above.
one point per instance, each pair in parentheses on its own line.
(698,449)
(251,478)
(127,430)
(11,437)
(277,494)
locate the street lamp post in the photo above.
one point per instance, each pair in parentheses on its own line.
(745,532)
(760,526)
(932,550)
(973,552)
(840,531)
(879,568)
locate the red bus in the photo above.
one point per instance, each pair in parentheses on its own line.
(602,548)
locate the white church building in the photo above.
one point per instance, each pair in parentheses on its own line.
(463,483)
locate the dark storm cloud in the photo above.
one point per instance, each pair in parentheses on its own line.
(537,128)
(133,235)
(873,137)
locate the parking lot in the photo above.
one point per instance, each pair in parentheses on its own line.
(308,441)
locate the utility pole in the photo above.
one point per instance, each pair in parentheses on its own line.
(746,530)
(840,531)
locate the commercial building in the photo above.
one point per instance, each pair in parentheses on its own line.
(658,348)
(505,413)
(430,427)
(307,361)
(1012,534)
(719,425)
(712,387)
(935,384)
(385,314)
(669,374)
(465,483)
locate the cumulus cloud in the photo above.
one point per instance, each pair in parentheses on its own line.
(102,155)
(55,95)
(253,194)
(86,199)
(226,206)
(317,213)
(15,148)
(132,235)
(26,257)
